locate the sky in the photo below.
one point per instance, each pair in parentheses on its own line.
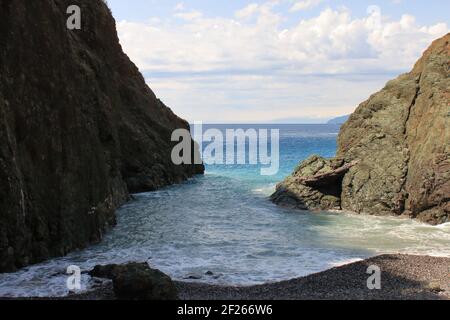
(282,61)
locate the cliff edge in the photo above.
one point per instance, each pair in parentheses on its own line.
(393,153)
(79,130)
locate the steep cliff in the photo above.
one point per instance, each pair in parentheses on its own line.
(79,130)
(399,143)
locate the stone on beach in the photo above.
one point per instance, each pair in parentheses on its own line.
(403,277)
(137,281)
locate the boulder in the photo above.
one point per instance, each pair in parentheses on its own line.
(315,185)
(137,281)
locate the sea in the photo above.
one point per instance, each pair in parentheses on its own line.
(222,228)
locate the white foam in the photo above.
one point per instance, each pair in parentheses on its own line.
(237,235)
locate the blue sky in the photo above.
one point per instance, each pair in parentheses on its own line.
(426,12)
(274,60)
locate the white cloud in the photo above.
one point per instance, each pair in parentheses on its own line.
(305,5)
(248,65)
(247,11)
(189,15)
(179,6)
(261,98)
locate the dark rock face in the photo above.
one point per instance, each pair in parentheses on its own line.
(79,130)
(295,192)
(401,140)
(137,281)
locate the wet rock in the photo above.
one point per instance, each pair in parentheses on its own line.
(137,281)
(193,276)
(106,271)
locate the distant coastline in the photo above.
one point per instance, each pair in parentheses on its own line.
(339,120)
(283,122)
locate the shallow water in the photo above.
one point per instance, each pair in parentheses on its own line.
(224,223)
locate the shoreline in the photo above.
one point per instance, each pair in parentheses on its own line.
(403,277)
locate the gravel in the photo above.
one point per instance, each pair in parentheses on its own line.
(403,277)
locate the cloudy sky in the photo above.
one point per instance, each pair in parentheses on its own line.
(290,61)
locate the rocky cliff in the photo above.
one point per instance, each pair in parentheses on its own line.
(394,151)
(79,130)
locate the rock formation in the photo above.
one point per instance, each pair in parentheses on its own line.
(137,281)
(79,130)
(398,143)
(324,191)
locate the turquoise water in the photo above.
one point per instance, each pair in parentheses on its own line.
(297,142)
(224,223)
